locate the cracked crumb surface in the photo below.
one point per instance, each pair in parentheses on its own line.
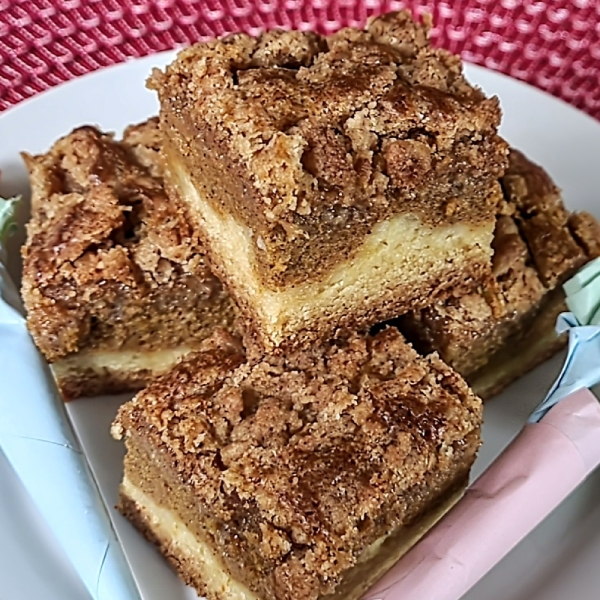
(538,244)
(305,460)
(109,259)
(323,137)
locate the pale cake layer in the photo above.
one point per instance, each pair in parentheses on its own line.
(199,566)
(96,372)
(193,558)
(401,264)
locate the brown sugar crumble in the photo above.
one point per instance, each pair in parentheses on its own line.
(111,263)
(355,115)
(296,465)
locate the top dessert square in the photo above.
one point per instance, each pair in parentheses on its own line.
(318,168)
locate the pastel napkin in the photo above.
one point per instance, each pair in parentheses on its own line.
(36,438)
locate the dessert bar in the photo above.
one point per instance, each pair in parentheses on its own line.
(115,283)
(335,181)
(497,334)
(296,478)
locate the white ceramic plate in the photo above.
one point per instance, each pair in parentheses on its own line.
(556,562)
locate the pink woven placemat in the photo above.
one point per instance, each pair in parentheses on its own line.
(552,44)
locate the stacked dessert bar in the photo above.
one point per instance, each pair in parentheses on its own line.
(301,476)
(332,184)
(362,173)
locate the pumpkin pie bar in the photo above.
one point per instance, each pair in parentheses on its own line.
(335,181)
(296,478)
(495,335)
(115,283)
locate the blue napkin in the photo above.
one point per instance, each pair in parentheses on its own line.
(582,365)
(38,441)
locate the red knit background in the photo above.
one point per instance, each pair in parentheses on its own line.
(553,44)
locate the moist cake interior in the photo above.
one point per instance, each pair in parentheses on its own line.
(98,372)
(359,291)
(535,342)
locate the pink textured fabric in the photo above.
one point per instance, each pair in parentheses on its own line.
(552,44)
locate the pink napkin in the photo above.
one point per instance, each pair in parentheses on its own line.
(537,471)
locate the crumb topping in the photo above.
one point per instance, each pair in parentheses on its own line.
(103,235)
(536,203)
(538,243)
(586,230)
(314,448)
(144,141)
(354,119)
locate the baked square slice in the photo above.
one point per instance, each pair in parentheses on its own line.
(296,478)
(115,283)
(336,181)
(499,333)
